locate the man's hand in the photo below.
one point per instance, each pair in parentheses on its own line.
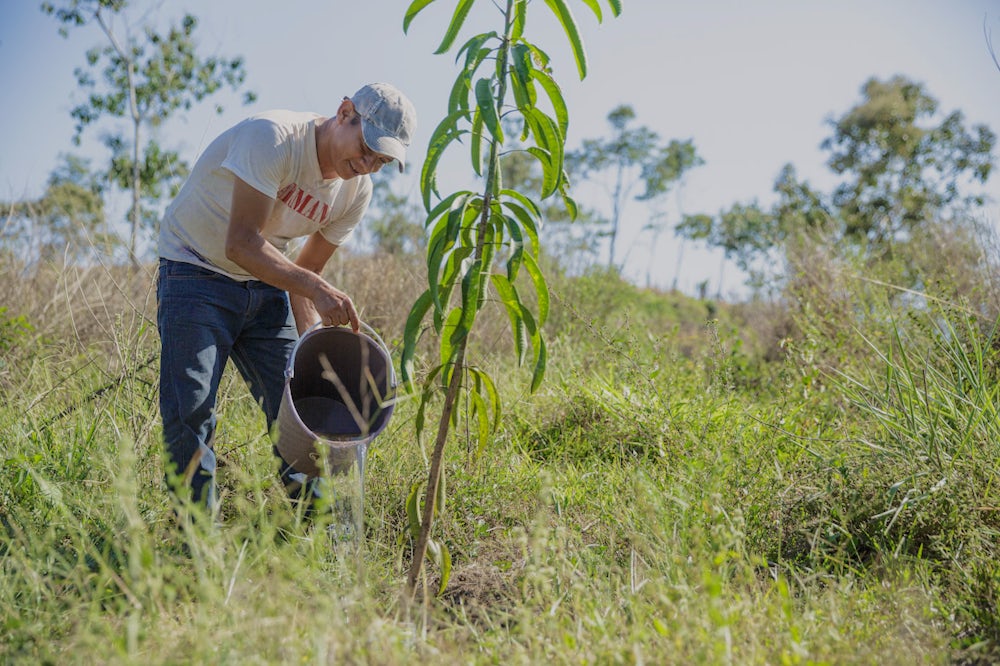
(336,309)
(324,302)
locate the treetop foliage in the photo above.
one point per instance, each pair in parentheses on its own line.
(902,167)
(143,81)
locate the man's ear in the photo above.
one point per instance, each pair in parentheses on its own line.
(346,110)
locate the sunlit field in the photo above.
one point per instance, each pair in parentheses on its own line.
(813,481)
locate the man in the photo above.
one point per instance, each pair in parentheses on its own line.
(226,288)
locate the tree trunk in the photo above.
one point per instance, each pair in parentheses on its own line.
(136,189)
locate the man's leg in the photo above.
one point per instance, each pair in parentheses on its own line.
(197,316)
(261,353)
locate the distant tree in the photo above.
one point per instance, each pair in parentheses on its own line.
(144,81)
(66,221)
(744,232)
(901,167)
(749,233)
(901,171)
(630,157)
(661,176)
(799,210)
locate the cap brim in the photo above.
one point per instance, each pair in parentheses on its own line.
(382,143)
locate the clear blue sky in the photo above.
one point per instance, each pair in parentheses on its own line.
(752,83)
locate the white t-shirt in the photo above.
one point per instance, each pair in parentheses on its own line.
(275,153)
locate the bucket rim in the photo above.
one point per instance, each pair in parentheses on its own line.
(367,332)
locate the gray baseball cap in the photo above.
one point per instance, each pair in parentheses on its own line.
(388,119)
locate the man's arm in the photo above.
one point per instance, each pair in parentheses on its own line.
(312,257)
(245,246)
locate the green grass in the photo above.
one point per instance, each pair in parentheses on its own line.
(667,497)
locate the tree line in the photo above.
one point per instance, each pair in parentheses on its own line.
(900,162)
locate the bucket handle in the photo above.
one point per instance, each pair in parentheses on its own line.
(290,368)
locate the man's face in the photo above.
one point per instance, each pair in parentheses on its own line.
(351,156)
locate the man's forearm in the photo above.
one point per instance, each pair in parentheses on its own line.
(304,311)
(268,264)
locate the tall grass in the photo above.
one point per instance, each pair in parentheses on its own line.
(669,496)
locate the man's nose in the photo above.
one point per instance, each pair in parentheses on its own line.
(373,163)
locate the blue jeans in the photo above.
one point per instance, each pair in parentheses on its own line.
(204,318)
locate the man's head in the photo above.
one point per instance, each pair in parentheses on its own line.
(388,120)
(366,135)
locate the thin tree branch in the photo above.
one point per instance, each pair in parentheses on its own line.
(989,43)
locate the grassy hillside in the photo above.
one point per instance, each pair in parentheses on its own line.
(807,481)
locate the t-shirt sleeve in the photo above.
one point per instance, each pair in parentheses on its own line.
(259,156)
(342,228)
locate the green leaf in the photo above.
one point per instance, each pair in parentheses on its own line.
(474,46)
(443,239)
(470,300)
(529,321)
(542,139)
(516,247)
(438,246)
(447,130)
(530,205)
(426,394)
(411,333)
(418,421)
(596,8)
(522,86)
(415,8)
(541,358)
(459,232)
(616,7)
(457,263)
(457,19)
(476,149)
(493,237)
(451,335)
(520,14)
(474,60)
(556,98)
(549,179)
(459,96)
(439,555)
(565,16)
(546,132)
(541,288)
(413,510)
(484,381)
(512,303)
(466,233)
(541,58)
(569,202)
(445,133)
(446,204)
(528,225)
(458,99)
(487,105)
(497,172)
(480,413)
